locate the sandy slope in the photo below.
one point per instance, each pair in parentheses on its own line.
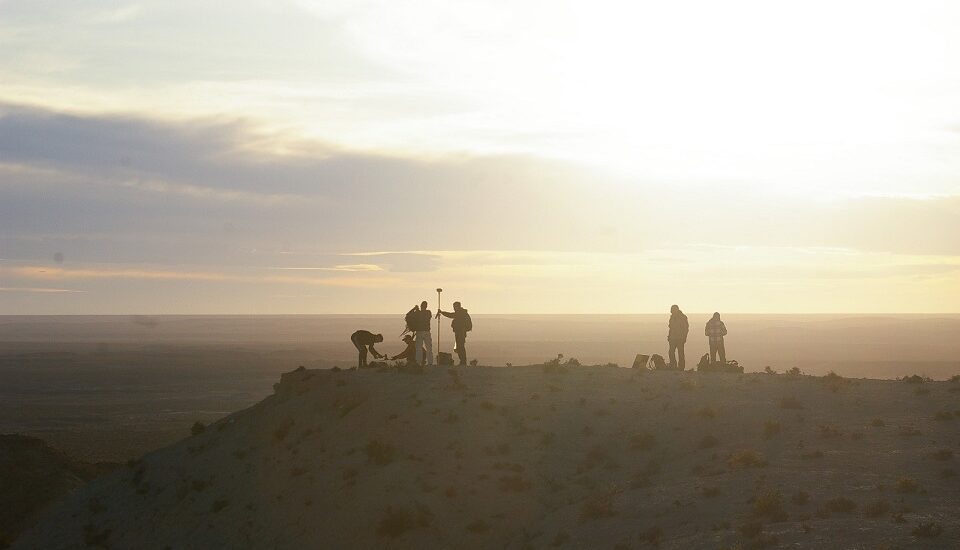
(538,457)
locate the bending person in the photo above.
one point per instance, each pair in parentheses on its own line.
(364,340)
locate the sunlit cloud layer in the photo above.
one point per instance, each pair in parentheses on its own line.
(301,156)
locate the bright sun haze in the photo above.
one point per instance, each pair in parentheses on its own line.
(528,156)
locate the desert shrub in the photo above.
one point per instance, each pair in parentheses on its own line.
(942,454)
(710,492)
(379,453)
(487,406)
(840,505)
(791,403)
(708,442)
(652,536)
(955,378)
(513,484)
(768,370)
(283,430)
(914,379)
(598,508)
(642,441)
(597,456)
(909,431)
(876,508)
(927,530)
(751,529)
(769,504)
(707,412)
(396,522)
(794,371)
(811,455)
(943,416)
(197,428)
(474,362)
(770,429)
(800,498)
(218,505)
(878,423)
(478,526)
(746,458)
(834,382)
(907,485)
(829,432)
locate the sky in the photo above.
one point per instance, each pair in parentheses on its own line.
(301,156)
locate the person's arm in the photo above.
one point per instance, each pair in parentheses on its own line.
(375,353)
(405,354)
(447,314)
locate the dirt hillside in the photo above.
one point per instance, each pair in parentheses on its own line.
(542,457)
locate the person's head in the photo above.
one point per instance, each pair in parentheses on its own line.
(457,306)
(378,338)
(423,305)
(408,338)
(674,308)
(716,315)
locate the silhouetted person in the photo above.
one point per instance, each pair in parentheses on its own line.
(715,331)
(677,336)
(410,353)
(461,325)
(363,339)
(421,330)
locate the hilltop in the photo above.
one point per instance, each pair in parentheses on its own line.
(542,456)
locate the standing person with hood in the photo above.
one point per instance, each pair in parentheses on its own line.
(419,322)
(715,331)
(461,325)
(677,336)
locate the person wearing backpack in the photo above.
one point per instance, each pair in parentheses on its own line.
(418,321)
(677,336)
(461,325)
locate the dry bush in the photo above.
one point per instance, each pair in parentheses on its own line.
(598,508)
(800,498)
(746,458)
(944,416)
(478,526)
(379,453)
(769,504)
(642,441)
(794,371)
(812,455)
(878,423)
(791,403)
(771,429)
(927,530)
(197,428)
(942,454)
(840,505)
(909,431)
(914,379)
(513,484)
(876,508)
(710,492)
(396,522)
(708,442)
(907,485)
(834,382)
(830,432)
(707,412)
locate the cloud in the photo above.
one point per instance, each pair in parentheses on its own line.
(39,290)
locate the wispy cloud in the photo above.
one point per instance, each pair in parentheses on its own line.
(39,290)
